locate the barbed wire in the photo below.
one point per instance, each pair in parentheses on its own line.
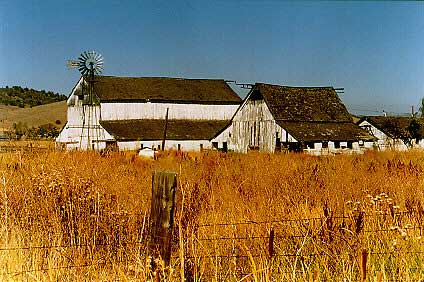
(323,218)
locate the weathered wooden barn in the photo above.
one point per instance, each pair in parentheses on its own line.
(311,119)
(130,113)
(394,133)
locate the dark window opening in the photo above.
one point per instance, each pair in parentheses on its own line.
(141,146)
(201,147)
(224,146)
(325,145)
(337,144)
(349,144)
(158,147)
(254,133)
(215,145)
(179,147)
(292,146)
(310,145)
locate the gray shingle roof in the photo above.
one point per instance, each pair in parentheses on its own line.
(152,129)
(303,103)
(165,89)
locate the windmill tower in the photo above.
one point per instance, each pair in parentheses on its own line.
(89,64)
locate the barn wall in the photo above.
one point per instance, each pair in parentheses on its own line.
(254,126)
(224,137)
(120,111)
(185,145)
(83,138)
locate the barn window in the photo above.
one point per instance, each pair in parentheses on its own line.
(215,145)
(158,147)
(337,144)
(349,144)
(179,147)
(201,147)
(325,145)
(141,146)
(224,146)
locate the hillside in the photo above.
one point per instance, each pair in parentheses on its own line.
(33,117)
(27,97)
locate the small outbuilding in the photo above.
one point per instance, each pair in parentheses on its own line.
(394,132)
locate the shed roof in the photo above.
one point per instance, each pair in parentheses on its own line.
(303,103)
(152,129)
(397,127)
(165,89)
(325,131)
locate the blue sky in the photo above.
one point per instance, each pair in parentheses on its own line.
(372,49)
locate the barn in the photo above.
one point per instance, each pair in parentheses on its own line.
(312,119)
(394,132)
(131,113)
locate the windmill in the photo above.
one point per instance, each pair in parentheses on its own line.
(89,64)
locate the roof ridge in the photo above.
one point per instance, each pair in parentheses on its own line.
(164,77)
(289,86)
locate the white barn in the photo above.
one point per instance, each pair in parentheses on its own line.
(393,133)
(130,113)
(311,119)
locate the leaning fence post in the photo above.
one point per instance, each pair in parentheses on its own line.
(164,185)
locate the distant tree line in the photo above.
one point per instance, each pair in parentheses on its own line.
(23,97)
(22,131)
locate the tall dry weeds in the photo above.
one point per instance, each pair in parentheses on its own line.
(82,216)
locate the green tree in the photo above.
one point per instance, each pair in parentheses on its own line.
(421,109)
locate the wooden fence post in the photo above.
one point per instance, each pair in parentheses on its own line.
(270,252)
(164,185)
(363,264)
(271,244)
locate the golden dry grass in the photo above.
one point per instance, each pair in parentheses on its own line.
(34,116)
(75,216)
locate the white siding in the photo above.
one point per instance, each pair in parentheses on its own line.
(122,111)
(185,145)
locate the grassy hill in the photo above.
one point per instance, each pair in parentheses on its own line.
(33,117)
(28,97)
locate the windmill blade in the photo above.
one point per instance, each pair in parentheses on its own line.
(83,56)
(89,62)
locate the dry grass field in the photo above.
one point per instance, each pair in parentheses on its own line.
(75,216)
